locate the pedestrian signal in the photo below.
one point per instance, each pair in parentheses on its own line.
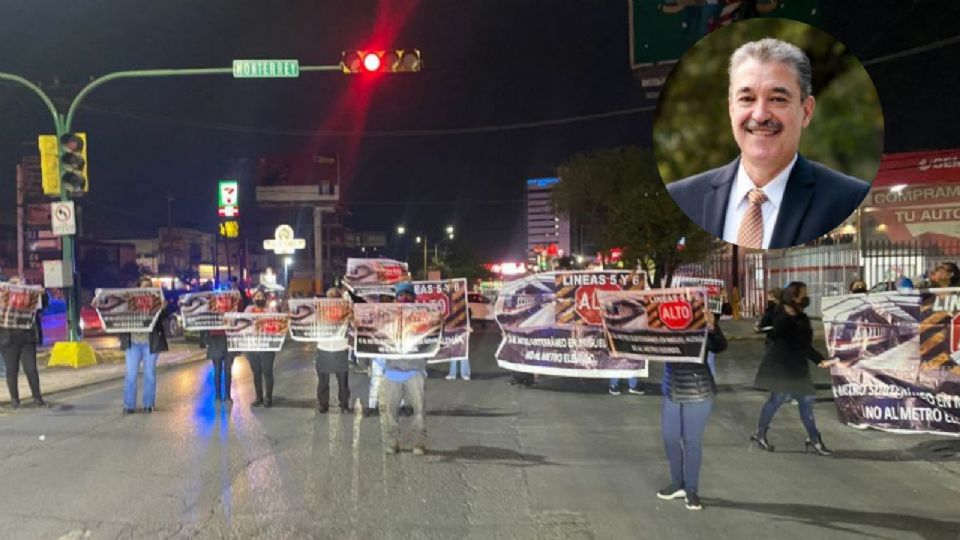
(391,61)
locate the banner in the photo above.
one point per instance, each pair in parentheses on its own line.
(551,324)
(205,310)
(450,297)
(319,319)
(899,359)
(714,289)
(252,332)
(19,305)
(366,272)
(128,310)
(397,330)
(659,324)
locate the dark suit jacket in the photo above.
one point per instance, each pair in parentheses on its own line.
(816,200)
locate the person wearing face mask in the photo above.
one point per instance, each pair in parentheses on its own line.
(261,362)
(785,369)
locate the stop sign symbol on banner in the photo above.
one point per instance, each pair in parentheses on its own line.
(435,298)
(676,314)
(955,334)
(587,305)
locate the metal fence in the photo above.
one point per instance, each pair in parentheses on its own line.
(826,269)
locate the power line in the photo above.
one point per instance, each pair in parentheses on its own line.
(234,128)
(916,50)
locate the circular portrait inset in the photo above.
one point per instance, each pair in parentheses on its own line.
(768,133)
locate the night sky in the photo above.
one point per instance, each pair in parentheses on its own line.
(487,63)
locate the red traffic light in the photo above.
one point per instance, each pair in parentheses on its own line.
(371,62)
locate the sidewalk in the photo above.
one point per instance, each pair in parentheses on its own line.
(110,366)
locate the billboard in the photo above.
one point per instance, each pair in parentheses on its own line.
(298,178)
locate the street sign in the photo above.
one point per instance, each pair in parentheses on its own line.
(283,242)
(62,218)
(228,204)
(265,69)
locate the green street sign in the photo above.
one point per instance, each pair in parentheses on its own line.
(265,69)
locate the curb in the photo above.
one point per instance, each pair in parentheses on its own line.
(190,358)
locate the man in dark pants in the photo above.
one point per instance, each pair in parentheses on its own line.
(19,347)
(331,357)
(222,364)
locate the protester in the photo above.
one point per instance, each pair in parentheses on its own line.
(785,370)
(331,357)
(858,286)
(464,370)
(632,387)
(215,342)
(765,324)
(688,390)
(945,274)
(261,362)
(18,347)
(404,379)
(143,348)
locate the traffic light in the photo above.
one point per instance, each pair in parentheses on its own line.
(49,165)
(392,61)
(73,163)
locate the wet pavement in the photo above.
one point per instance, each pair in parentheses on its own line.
(562,459)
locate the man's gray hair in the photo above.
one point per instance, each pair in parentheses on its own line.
(774,50)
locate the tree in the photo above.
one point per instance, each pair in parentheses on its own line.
(617,195)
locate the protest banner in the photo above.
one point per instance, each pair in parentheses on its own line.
(660,324)
(551,324)
(714,289)
(899,359)
(205,310)
(397,330)
(450,297)
(371,272)
(319,319)
(19,305)
(253,332)
(128,310)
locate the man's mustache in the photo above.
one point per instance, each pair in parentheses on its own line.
(771,124)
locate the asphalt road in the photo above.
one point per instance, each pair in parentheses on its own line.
(560,460)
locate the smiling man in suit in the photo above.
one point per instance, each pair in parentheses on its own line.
(770,196)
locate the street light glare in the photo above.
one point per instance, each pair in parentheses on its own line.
(401,229)
(450,229)
(418,240)
(288,260)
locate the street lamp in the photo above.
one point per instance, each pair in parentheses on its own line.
(422,239)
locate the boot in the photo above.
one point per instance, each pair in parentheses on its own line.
(817,447)
(760,437)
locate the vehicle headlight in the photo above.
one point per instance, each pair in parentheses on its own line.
(82,324)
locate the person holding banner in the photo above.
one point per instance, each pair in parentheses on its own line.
(785,369)
(18,346)
(261,362)
(331,357)
(143,347)
(945,274)
(404,379)
(688,390)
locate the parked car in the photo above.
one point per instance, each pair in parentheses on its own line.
(481,309)
(90,324)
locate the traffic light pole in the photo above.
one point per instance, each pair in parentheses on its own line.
(63,123)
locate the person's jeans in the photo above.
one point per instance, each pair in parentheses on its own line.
(261,364)
(631,382)
(464,368)
(222,375)
(682,425)
(804,403)
(137,353)
(411,390)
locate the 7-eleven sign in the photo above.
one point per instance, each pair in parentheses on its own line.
(228,199)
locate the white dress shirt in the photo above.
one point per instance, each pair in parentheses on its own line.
(738,203)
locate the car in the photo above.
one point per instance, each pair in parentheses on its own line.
(481,309)
(90,324)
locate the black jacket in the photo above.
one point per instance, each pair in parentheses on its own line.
(786,365)
(158,336)
(687,382)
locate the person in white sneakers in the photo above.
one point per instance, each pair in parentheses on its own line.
(464,370)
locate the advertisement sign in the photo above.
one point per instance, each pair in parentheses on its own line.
(552,324)
(899,357)
(298,178)
(658,324)
(128,310)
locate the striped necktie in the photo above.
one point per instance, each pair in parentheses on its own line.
(751,228)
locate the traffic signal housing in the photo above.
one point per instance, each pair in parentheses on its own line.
(73,163)
(390,61)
